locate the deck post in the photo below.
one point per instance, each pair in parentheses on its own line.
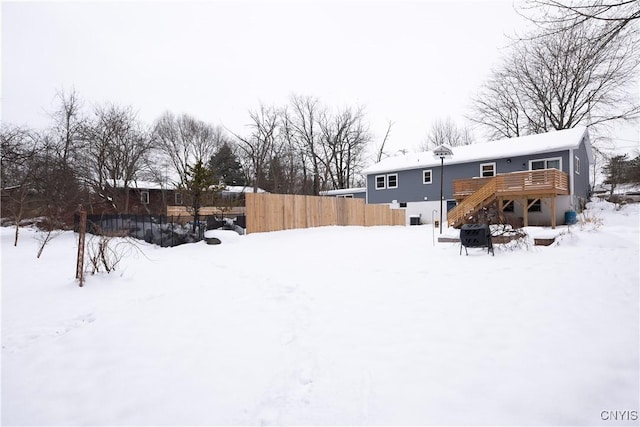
(553,212)
(525,212)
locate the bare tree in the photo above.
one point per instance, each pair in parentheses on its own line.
(498,107)
(18,168)
(380,150)
(68,123)
(57,185)
(560,15)
(16,147)
(305,113)
(344,139)
(117,148)
(558,81)
(292,158)
(184,141)
(304,148)
(447,132)
(259,146)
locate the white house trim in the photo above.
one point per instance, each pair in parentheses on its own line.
(493,166)
(424,181)
(571,175)
(395,175)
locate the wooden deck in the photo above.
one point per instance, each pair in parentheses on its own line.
(545,182)
(474,193)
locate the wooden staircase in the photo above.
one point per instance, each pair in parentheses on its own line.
(472,203)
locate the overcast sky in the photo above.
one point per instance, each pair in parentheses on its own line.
(411,62)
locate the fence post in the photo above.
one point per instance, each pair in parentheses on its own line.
(82,232)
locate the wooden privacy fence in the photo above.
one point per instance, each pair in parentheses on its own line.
(274,212)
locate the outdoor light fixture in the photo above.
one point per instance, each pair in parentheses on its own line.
(442,152)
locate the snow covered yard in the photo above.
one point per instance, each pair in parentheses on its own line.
(325,326)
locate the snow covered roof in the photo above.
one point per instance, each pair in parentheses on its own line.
(150,185)
(510,147)
(142,185)
(343,191)
(241,189)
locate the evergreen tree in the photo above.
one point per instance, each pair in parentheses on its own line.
(275,182)
(200,181)
(616,171)
(634,170)
(226,167)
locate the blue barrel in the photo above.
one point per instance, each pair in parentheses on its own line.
(570,217)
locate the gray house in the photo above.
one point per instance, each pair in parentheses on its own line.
(537,178)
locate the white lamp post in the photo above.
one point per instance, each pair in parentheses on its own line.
(442,152)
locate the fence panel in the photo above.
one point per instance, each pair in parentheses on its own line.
(356,211)
(289,211)
(399,217)
(253,207)
(273,212)
(312,211)
(300,212)
(373,215)
(329,211)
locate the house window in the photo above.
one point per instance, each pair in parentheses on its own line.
(507,206)
(178,198)
(392,180)
(554,163)
(380,182)
(345,196)
(426,177)
(487,170)
(144,197)
(403,204)
(534,206)
(577,165)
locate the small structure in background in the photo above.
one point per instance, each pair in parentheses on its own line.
(347,193)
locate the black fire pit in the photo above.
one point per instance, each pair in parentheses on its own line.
(475,236)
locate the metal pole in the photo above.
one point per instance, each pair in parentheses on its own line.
(433,229)
(441,185)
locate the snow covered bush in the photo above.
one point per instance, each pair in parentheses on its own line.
(104,253)
(590,220)
(510,237)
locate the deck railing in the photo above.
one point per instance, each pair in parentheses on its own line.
(543,181)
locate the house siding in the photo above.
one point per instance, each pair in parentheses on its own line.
(411,189)
(581,180)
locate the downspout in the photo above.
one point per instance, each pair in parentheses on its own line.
(571,180)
